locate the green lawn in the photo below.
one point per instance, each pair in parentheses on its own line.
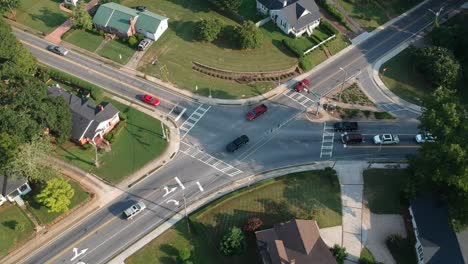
(371,14)
(366,255)
(83,39)
(382,189)
(42,15)
(40,212)
(304,195)
(139,142)
(10,217)
(400,76)
(117,51)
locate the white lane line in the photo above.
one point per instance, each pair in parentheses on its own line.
(180,183)
(200,187)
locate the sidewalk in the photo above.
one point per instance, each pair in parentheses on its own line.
(56,35)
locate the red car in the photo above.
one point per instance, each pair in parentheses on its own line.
(257,111)
(301,85)
(150,100)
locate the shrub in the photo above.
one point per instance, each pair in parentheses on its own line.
(328,27)
(184,255)
(101,33)
(139,36)
(334,12)
(233,242)
(253,224)
(42,74)
(96,92)
(122,116)
(132,41)
(109,137)
(383,115)
(249,36)
(20,227)
(291,45)
(339,253)
(208,29)
(366,113)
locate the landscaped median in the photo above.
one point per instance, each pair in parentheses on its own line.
(304,195)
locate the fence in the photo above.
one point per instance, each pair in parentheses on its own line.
(318,45)
(263,22)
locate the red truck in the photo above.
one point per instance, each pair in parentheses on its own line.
(257,111)
(301,85)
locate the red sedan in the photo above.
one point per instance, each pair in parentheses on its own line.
(301,85)
(150,100)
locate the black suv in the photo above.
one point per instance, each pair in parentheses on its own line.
(345,126)
(237,143)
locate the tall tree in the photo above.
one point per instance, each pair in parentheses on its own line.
(208,29)
(32,160)
(8,148)
(249,35)
(81,18)
(233,242)
(56,196)
(9,6)
(228,5)
(443,166)
(15,60)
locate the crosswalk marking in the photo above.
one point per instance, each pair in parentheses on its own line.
(193,119)
(209,160)
(299,98)
(328,137)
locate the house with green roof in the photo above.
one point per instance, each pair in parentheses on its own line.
(124,22)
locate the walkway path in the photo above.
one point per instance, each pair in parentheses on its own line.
(56,35)
(352,185)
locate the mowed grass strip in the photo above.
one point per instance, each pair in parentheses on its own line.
(10,235)
(117,51)
(382,190)
(400,75)
(41,15)
(139,142)
(304,195)
(83,39)
(41,213)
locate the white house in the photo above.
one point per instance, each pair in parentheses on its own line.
(12,188)
(292,16)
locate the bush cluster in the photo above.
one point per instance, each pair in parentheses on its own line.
(95,91)
(334,12)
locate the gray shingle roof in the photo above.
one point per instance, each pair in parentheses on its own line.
(293,11)
(440,244)
(85,115)
(13,183)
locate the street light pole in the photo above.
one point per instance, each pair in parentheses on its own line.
(342,84)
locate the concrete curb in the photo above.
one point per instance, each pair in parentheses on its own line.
(245,182)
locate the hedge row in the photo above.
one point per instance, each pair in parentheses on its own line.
(95,91)
(291,45)
(334,12)
(324,25)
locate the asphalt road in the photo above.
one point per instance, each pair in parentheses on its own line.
(284,136)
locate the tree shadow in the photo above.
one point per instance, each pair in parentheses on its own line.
(169,250)
(280,46)
(184,30)
(49,18)
(193,6)
(71,156)
(206,91)
(10,224)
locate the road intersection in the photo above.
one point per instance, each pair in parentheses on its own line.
(282,137)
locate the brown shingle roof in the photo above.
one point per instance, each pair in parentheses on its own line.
(297,240)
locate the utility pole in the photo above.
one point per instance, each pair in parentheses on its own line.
(436,21)
(342,84)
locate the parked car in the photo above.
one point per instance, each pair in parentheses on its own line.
(151,100)
(133,210)
(345,126)
(57,50)
(257,111)
(386,139)
(237,143)
(425,137)
(144,44)
(140,8)
(352,138)
(301,85)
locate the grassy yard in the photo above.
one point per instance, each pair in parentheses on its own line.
(42,15)
(382,188)
(40,212)
(401,77)
(138,143)
(371,14)
(366,255)
(83,39)
(116,48)
(304,195)
(11,218)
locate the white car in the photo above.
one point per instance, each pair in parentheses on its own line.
(386,139)
(425,137)
(133,210)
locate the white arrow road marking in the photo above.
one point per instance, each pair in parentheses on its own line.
(75,250)
(200,187)
(180,183)
(168,191)
(173,201)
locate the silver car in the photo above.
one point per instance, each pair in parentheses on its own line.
(57,50)
(386,139)
(133,210)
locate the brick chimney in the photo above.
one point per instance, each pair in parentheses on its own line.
(132,26)
(100,107)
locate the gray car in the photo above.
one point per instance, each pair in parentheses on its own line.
(57,50)
(133,210)
(144,44)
